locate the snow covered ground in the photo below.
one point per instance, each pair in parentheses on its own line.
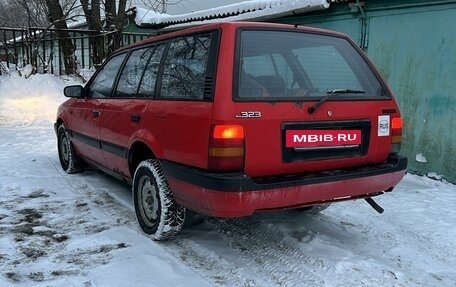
(80,230)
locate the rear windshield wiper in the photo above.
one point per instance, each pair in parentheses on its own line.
(329,94)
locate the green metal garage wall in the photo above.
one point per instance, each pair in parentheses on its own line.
(413,43)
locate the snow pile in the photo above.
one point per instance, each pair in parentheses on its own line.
(26,71)
(86,74)
(246,10)
(149,16)
(28,101)
(420,158)
(4,68)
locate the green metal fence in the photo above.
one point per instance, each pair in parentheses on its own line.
(40,47)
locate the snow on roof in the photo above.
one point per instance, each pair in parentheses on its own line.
(246,10)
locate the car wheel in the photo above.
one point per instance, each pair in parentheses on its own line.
(69,160)
(158,213)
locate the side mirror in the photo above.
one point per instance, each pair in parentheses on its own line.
(73,91)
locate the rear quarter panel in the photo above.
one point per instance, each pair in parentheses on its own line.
(180,130)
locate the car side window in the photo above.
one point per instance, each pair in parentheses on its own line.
(185,67)
(147,85)
(102,85)
(132,73)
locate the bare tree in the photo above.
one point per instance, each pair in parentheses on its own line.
(161,5)
(105,16)
(58,19)
(23,13)
(114,22)
(111,26)
(92,14)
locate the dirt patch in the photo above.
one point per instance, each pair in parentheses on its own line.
(38,193)
(26,229)
(36,276)
(33,253)
(30,215)
(13,276)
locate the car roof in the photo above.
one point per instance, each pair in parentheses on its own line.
(233,25)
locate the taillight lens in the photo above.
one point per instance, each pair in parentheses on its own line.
(396,135)
(226,148)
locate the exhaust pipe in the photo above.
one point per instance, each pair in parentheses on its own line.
(374,205)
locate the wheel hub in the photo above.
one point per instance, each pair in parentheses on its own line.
(65,149)
(149,200)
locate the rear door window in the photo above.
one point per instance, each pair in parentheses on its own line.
(289,65)
(139,75)
(185,67)
(132,73)
(149,79)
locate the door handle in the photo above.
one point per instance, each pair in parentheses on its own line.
(96,113)
(135,118)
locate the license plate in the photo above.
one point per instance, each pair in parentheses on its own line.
(322,138)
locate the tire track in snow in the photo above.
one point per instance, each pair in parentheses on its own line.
(216,269)
(212,267)
(270,253)
(106,203)
(39,224)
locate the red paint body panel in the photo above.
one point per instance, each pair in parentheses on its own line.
(265,133)
(118,128)
(80,115)
(181,128)
(238,204)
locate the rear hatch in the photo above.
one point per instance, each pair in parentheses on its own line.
(309,101)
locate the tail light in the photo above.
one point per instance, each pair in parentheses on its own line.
(396,132)
(226,148)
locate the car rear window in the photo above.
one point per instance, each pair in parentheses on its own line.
(287,65)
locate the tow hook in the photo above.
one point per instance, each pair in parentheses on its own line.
(374,205)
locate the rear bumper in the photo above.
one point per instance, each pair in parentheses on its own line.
(235,195)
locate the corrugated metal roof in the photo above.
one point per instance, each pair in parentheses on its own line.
(247,10)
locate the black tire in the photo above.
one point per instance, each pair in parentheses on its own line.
(158,213)
(69,160)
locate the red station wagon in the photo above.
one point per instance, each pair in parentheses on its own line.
(234,118)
